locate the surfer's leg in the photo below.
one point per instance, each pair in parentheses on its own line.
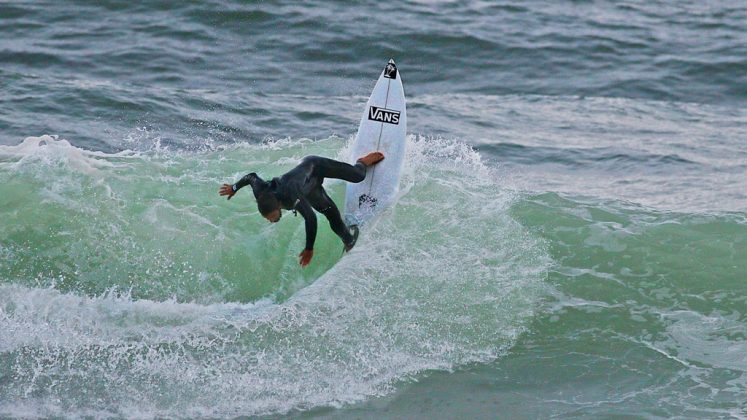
(321,202)
(329,168)
(338,226)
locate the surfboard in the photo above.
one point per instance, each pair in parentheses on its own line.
(382,128)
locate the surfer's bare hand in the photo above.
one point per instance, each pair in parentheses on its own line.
(306,255)
(227,190)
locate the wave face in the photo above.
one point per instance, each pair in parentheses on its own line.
(129,288)
(647,314)
(644,316)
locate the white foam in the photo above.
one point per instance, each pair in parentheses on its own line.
(50,150)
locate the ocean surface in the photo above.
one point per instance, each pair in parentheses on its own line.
(569,240)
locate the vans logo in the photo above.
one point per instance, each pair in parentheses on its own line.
(384,115)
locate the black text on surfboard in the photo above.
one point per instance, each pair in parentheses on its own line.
(384,115)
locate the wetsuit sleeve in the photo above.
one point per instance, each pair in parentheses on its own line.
(248,179)
(309,217)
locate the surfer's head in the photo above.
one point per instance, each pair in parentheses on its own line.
(269,206)
(267,203)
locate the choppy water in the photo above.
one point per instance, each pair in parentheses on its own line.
(570,239)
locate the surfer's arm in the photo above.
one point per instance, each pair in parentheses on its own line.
(248,179)
(230,190)
(309,218)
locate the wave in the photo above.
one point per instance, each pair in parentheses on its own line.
(130,288)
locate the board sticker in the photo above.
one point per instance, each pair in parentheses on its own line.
(367,200)
(390,71)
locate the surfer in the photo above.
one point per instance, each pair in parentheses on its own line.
(300,189)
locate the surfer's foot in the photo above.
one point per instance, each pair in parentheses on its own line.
(353,239)
(372,158)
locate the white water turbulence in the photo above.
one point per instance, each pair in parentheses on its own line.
(128,287)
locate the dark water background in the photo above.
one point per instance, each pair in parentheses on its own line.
(93,72)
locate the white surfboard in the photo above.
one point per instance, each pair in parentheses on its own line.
(382,128)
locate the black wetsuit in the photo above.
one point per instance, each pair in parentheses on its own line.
(301,189)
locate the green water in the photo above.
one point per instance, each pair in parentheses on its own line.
(129,283)
(644,317)
(129,286)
